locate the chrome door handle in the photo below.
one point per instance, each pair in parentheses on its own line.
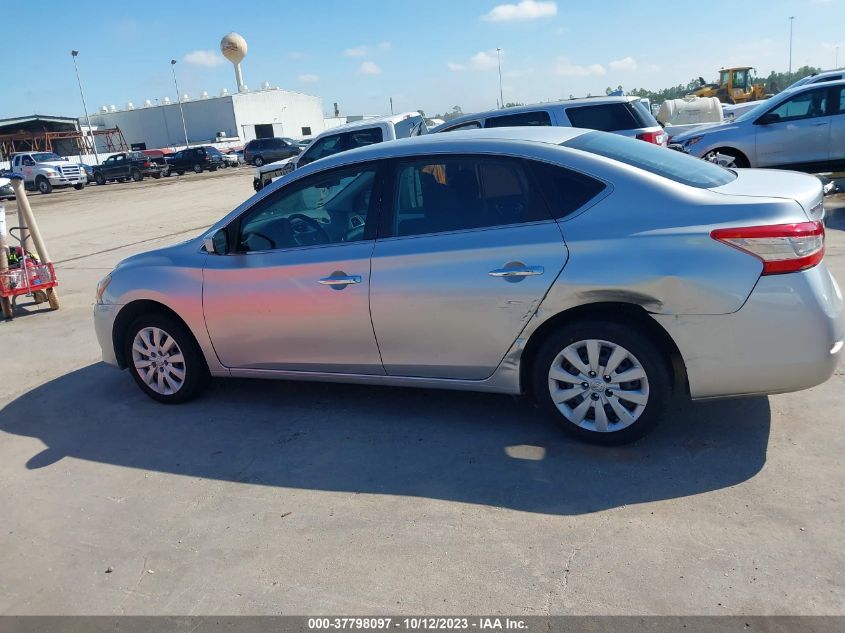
(340,281)
(523,271)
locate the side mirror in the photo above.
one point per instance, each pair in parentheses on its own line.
(217,244)
(768,118)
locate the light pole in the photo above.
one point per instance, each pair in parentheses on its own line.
(73,54)
(836,63)
(499,58)
(179,98)
(791,20)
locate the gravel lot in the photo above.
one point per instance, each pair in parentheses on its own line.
(292,498)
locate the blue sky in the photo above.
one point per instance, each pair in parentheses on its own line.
(431,55)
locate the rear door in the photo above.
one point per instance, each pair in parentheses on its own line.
(464,256)
(801,134)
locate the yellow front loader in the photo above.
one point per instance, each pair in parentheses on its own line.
(735,86)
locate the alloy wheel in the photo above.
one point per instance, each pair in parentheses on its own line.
(598,385)
(159,361)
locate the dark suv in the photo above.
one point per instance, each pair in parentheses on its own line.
(196,159)
(269,150)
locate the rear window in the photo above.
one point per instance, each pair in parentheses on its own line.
(662,161)
(609,117)
(523,119)
(360,138)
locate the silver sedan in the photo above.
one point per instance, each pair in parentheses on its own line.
(602,275)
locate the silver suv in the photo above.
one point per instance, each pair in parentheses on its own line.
(802,128)
(627,116)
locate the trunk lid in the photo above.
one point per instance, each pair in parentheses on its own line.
(806,190)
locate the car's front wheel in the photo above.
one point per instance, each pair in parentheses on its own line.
(603,381)
(258,161)
(43,185)
(164,359)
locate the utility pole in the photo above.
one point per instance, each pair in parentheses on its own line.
(179,98)
(836,63)
(391,105)
(499,57)
(791,20)
(73,54)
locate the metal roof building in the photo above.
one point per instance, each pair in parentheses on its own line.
(239,116)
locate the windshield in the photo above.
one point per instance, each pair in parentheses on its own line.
(756,111)
(43,157)
(664,162)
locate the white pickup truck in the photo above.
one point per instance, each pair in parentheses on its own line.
(45,171)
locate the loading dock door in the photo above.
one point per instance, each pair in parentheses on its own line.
(264,130)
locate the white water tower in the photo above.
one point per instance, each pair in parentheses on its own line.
(234,48)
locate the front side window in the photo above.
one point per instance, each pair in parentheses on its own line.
(361,138)
(326,146)
(455,194)
(806,105)
(327,208)
(541,117)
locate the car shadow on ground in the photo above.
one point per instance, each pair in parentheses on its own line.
(835,218)
(472,448)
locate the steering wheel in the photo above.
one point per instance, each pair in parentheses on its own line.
(314,230)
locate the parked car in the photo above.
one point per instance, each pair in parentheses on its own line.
(158,157)
(628,116)
(801,128)
(268,150)
(196,159)
(230,159)
(45,171)
(602,275)
(126,165)
(304,143)
(342,138)
(6,191)
(830,75)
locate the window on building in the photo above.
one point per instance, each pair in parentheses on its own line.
(306,131)
(264,130)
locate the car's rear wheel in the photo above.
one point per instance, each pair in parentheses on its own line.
(164,359)
(136,175)
(99,178)
(603,381)
(197,168)
(43,185)
(258,161)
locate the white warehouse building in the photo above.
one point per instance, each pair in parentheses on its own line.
(241,116)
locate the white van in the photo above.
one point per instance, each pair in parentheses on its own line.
(342,138)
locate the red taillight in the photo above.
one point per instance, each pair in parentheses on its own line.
(783,248)
(147,164)
(658,138)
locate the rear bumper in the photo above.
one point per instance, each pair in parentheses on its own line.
(788,336)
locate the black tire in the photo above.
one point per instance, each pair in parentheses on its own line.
(43,185)
(180,172)
(258,161)
(213,168)
(136,175)
(194,365)
(157,175)
(653,363)
(197,168)
(99,178)
(79,187)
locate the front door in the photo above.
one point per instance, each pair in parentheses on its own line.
(801,133)
(294,292)
(464,257)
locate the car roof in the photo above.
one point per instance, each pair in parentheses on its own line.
(812,86)
(390,118)
(577,102)
(485,140)
(818,76)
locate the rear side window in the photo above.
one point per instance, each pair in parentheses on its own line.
(565,190)
(469,125)
(523,119)
(456,194)
(664,162)
(607,117)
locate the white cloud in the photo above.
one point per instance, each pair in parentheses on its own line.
(209,59)
(483,60)
(522,10)
(369,68)
(626,63)
(309,78)
(357,51)
(566,68)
